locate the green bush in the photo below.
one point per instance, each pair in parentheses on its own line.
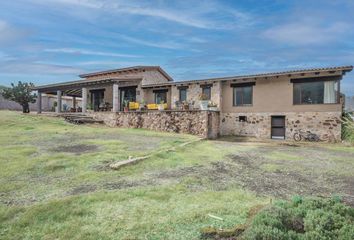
(305,219)
(347,128)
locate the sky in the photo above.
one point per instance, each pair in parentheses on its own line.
(48,41)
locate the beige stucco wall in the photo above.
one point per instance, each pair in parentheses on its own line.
(272,95)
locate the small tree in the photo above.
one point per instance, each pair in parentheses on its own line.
(22,94)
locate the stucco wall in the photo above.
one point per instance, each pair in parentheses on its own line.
(272,95)
(201,123)
(326,125)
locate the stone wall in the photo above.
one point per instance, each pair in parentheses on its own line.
(193,92)
(326,125)
(201,123)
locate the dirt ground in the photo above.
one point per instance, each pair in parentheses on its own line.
(271,169)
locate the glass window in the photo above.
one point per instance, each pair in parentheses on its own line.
(242,96)
(207,92)
(315,92)
(160,97)
(183,94)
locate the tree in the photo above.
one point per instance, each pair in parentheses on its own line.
(22,94)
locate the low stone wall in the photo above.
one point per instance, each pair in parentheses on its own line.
(202,123)
(326,125)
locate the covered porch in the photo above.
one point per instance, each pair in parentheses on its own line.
(97,95)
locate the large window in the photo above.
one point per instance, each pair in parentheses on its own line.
(206,91)
(242,95)
(160,96)
(182,94)
(315,92)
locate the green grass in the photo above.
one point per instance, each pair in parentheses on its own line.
(49,190)
(37,184)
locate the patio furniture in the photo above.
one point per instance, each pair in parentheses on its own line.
(134,105)
(154,106)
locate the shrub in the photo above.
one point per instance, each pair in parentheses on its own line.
(303,219)
(347,128)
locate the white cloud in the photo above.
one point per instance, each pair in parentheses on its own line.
(9,34)
(33,67)
(167,44)
(198,15)
(306,32)
(88,52)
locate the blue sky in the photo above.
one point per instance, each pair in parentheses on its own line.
(46,41)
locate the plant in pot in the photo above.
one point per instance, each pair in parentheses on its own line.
(89,107)
(160,106)
(126,106)
(212,106)
(185,105)
(203,101)
(142,106)
(55,105)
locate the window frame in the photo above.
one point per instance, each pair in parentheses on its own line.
(180,89)
(204,87)
(236,86)
(299,81)
(162,91)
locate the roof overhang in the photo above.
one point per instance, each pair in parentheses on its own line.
(334,71)
(82,83)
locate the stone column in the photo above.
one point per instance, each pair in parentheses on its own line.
(74,102)
(116,100)
(39,103)
(84,100)
(58,110)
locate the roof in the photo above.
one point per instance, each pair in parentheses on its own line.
(158,68)
(82,83)
(344,69)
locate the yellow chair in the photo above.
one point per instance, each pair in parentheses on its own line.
(133,106)
(154,106)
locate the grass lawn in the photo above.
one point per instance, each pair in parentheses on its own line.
(55,184)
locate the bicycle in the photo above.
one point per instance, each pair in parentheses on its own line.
(305,135)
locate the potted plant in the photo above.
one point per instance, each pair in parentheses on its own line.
(89,107)
(212,106)
(185,105)
(142,105)
(160,106)
(126,106)
(55,105)
(203,101)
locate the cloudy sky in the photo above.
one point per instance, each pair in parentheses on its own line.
(46,41)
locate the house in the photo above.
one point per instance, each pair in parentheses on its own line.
(269,105)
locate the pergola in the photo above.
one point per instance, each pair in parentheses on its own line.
(80,89)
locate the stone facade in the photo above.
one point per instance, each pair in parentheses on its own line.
(201,123)
(193,92)
(326,125)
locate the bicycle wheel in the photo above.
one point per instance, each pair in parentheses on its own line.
(297,137)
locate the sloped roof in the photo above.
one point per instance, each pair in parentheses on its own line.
(158,68)
(344,69)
